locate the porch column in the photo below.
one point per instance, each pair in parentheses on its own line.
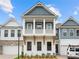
(43,26)
(24,45)
(23,26)
(33,26)
(54,27)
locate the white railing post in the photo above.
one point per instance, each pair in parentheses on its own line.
(33,26)
(43,26)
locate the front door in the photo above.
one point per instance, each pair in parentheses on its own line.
(56,47)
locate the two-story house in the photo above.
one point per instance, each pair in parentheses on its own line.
(68,35)
(39,30)
(10,32)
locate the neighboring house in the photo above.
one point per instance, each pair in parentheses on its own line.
(9,33)
(39,30)
(68,35)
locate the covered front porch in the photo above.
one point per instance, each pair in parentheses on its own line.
(38,45)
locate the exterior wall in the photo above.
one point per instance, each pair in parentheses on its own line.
(44,46)
(68,33)
(9,34)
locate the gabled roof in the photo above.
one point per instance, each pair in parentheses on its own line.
(11,22)
(70,22)
(39,4)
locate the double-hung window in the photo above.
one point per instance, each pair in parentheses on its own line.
(71,32)
(39,46)
(12,33)
(49,25)
(29,46)
(77,32)
(49,46)
(64,32)
(19,33)
(29,25)
(5,33)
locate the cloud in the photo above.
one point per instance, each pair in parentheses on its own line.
(6,6)
(55,10)
(11,15)
(76,11)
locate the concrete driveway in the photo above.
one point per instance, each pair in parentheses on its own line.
(7,57)
(61,57)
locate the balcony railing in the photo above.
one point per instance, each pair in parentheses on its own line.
(28,31)
(38,31)
(49,31)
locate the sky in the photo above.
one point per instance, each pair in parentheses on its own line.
(15,8)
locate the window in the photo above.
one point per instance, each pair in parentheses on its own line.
(29,45)
(29,25)
(49,26)
(39,46)
(19,33)
(64,32)
(77,49)
(6,33)
(71,49)
(12,33)
(71,32)
(39,25)
(48,46)
(77,32)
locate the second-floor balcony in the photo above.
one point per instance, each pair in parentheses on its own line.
(36,27)
(39,32)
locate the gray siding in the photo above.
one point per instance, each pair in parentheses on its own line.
(70,23)
(39,11)
(68,34)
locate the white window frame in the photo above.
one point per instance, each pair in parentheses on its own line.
(28,25)
(49,26)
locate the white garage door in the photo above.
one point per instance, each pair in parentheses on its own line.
(63,49)
(10,50)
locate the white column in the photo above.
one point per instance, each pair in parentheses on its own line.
(43,26)
(23,26)
(54,27)
(33,26)
(24,49)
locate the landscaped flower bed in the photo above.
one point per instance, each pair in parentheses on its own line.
(37,57)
